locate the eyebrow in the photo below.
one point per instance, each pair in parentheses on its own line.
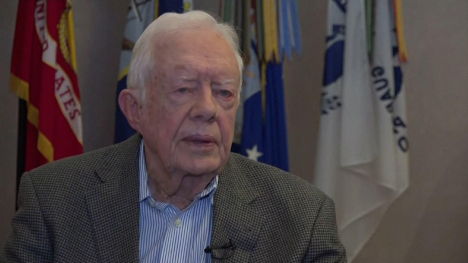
(189,79)
(229,81)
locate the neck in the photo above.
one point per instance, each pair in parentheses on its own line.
(174,187)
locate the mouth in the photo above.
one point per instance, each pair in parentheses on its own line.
(200,140)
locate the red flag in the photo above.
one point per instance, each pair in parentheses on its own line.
(43,73)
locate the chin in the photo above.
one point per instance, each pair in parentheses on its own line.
(203,166)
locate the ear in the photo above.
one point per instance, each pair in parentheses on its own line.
(129,102)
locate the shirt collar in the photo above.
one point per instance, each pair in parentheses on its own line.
(144,188)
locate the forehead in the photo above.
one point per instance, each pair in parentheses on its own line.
(192,50)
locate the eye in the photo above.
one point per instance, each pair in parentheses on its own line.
(225,93)
(183,90)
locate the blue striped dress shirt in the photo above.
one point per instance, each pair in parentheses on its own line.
(168,234)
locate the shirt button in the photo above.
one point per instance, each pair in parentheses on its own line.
(152,202)
(178,222)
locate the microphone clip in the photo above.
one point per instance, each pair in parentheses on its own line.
(227,246)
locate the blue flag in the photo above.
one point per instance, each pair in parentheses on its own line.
(249,122)
(275,141)
(133,29)
(264,136)
(166,6)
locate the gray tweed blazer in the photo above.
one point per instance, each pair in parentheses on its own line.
(86,209)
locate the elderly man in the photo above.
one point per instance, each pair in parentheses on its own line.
(174,192)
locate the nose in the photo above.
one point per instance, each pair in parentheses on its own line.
(204,106)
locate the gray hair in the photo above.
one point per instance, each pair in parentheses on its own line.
(143,64)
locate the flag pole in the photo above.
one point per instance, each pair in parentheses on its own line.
(21,144)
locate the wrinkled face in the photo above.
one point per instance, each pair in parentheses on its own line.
(188,118)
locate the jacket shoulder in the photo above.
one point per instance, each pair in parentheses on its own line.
(279,185)
(80,172)
(71,168)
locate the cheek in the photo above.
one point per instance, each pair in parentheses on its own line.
(226,126)
(168,124)
(157,123)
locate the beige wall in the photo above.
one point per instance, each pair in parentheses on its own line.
(429,223)
(8,120)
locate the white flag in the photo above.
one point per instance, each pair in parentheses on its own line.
(139,16)
(362,160)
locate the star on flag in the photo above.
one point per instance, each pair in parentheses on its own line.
(253,153)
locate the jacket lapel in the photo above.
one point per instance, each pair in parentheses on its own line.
(234,217)
(113,205)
